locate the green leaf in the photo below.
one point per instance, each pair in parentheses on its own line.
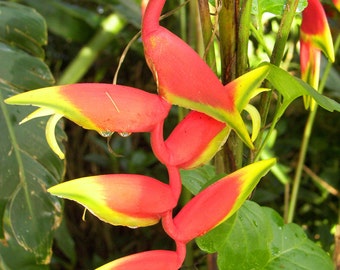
(259,7)
(291,87)
(32,71)
(256,238)
(194,180)
(26,32)
(242,242)
(28,214)
(291,248)
(71,22)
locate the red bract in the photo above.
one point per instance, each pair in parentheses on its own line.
(193,142)
(101,107)
(149,260)
(183,78)
(216,203)
(197,138)
(315,36)
(120,199)
(106,108)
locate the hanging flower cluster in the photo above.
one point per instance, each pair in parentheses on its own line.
(183,79)
(315,36)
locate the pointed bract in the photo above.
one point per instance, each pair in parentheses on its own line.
(120,199)
(310,58)
(100,107)
(315,29)
(315,36)
(216,203)
(105,108)
(193,142)
(184,79)
(198,137)
(148,260)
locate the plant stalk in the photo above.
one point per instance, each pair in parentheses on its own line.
(208,33)
(305,142)
(275,59)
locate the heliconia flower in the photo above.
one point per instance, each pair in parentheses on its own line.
(198,137)
(310,58)
(120,199)
(216,203)
(193,142)
(105,108)
(184,79)
(315,36)
(149,260)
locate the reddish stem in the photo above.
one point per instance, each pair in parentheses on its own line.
(151,16)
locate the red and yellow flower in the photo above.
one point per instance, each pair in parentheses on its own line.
(315,36)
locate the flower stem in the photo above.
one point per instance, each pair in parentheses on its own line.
(305,142)
(275,59)
(243,37)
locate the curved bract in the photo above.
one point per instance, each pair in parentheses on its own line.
(105,108)
(216,203)
(315,36)
(315,28)
(198,137)
(120,199)
(148,260)
(184,79)
(193,142)
(98,106)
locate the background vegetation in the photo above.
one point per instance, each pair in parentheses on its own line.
(79,49)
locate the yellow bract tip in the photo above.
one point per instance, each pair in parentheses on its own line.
(50,135)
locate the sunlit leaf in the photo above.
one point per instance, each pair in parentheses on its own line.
(194,180)
(273,6)
(257,238)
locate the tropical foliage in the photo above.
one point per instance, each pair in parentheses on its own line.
(232,86)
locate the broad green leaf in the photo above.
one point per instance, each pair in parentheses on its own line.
(273,6)
(291,87)
(291,248)
(256,238)
(26,32)
(15,64)
(242,242)
(194,180)
(71,22)
(28,214)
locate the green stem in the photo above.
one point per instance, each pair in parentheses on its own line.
(305,142)
(275,59)
(87,55)
(208,33)
(243,17)
(228,40)
(259,37)
(182,21)
(243,37)
(283,33)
